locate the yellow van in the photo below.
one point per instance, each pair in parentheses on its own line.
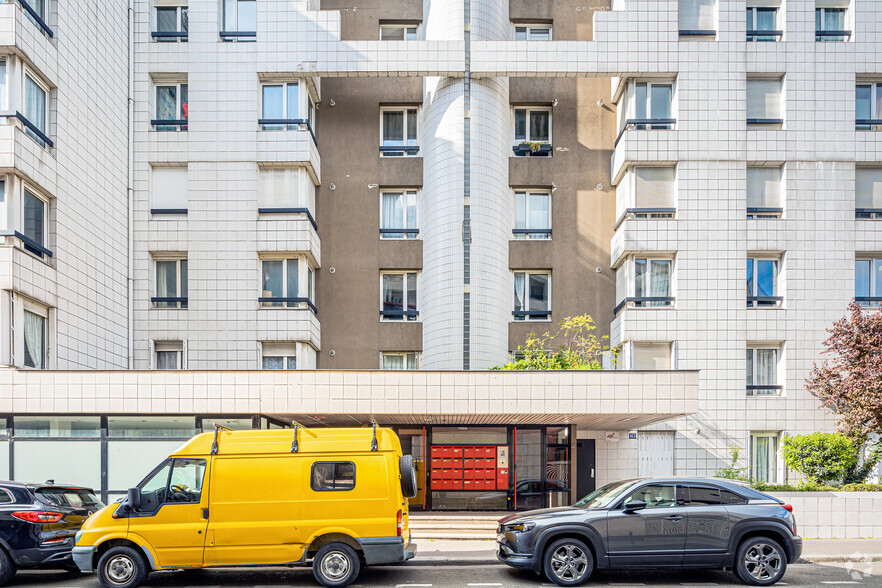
(335,497)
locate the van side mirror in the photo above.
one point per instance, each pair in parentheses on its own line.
(634,505)
(133,500)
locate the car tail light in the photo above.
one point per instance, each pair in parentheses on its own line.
(787,507)
(400,524)
(38,516)
(58,541)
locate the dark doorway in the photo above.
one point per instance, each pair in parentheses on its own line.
(584,468)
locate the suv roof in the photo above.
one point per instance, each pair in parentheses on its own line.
(47,484)
(736,486)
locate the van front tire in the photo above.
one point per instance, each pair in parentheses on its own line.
(336,564)
(122,567)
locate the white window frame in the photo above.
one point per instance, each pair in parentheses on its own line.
(631,178)
(179,274)
(179,104)
(535,233)
(528,29)
(405,306)
(406,146)
(752,349)
(631,348)
(411,198)
(301,90)
(305,281)
(178,6)
(754,258)
(285,350)
(776,122)
(26,187)
(43,312)
(30,74)
(178,347)
(875,287)
(527,274)
(649,114)
(528,110)
(40,7)
(773,457)
(632,287)
(5,200)
(753,9)
(407,30)
(4,95)
(875,90)
(235,7)
(404,356)
(846,7)
(781,193)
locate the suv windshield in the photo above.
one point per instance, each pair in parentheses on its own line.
(605,495)
(70,497)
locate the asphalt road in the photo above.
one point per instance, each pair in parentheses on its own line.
(472,576)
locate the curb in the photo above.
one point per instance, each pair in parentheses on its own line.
(857,558)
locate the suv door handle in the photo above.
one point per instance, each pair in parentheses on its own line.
(673,518)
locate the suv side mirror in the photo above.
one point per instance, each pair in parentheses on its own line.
(133,499)
(634,505)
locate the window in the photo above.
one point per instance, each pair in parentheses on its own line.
(868,282)
(278,356)
(762,371)
(761,23)
(654,495)
(399,133)
(398,214)
(240,19)
(168,355)
(169,190)
(177,481)
(728,497)
(532,130)
(868,107)
(652,356)
(332,475)
(830,20)
(868,193)
(764,192)
(396,360)
(171,283)
(4,214)
(398,32)
(698,17)
(764,457)
(762,282)
(281,190)
(3,90)
(35,338)
(398,296)
(532,215)
(764,102)
(171,23)
(287,283)
(652,280)
(37,13)
(649,192)
(532,296)
(34,222)
(704,496)
(35,108)
(650,104)
(171,107)
(281,104)
(533,32)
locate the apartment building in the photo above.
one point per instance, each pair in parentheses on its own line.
(281,192)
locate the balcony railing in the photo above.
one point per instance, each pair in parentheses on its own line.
(30,129)
(868,300)
(287,122)
(290,211)
(532,150)
(867,124)
(278,301)
(398,150)
(765,121)
(394,233)
(29,244)
(754,35)
(238,35)
(169,301)
(764,301)
(697,33)
(36,17)
(754,212)
(830,35)
(645,302)
(182,35)
(868,213)
(764,390)
(642,124)
(168,211)
(181,125)
(399,314)
(644,213)
(532,314)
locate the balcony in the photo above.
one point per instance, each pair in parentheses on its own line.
(21,152)
(169,301)
(869,301)
(765,390)
(868,124)
(765,301)
(764,36)
(295,303)
(24,271)
(754,212)
(644,213)
(289,141)
(399,150)
(532,150)
(868,213)
(832,36)
(644,302)
(645,124)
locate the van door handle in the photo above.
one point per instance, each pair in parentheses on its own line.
(204,513)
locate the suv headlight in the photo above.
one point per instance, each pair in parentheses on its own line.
(520,527)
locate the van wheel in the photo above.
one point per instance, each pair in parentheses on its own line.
(336,564)
(568,562)
(760,561)
(7,568)
(408,476)
(121,567)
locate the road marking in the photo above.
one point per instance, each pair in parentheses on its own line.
(413,586)
(698,584)
(627,584)
(483,584)
(842,582)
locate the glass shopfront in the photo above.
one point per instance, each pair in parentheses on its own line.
(490,468)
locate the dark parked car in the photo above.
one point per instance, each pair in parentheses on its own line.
(656,523)
(38,523)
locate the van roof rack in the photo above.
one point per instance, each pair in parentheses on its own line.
(217,429)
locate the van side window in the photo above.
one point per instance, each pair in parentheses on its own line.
(332,475)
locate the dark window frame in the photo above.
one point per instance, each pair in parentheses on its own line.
(335,464)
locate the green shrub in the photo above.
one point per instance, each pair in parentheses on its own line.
(861,488)
(820,457)
(731,471)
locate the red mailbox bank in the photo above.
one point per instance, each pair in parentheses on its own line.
(458,467)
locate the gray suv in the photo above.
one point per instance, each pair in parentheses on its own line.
(656,523)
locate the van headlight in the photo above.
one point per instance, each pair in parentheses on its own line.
(77,537)
(519,527)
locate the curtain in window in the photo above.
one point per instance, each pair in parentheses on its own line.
(292,363)
(764,99)
(166,282)
(640,277)
(34,343)
(167,20)
(539,125)
(762,468)
(520,210)
(272,281)
(310,286)
(393,362)
(697,15)
(654,187)
(167,360)
(185,19)
(411,361)
(766,368)
(411,210)
(3,205)
(393,212)
(765,21)
(764,187)
(184,285)
(750,367)
(166,103)
(278,188)
(393,294)
(868,188)
(834,19)
(170,187)
(273,363)
(35,104)
(520,125)
(520,33)
(652,356)
(34,219)
(411,126)
(3,84)
(411,292)
(660,280)
(539,212)
(393,128)
(293,278)
(539,292)
(540,34)
(877,269)
(519,292)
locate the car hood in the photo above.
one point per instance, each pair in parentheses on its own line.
(532,515)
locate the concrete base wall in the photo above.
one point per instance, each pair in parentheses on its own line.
(836,515)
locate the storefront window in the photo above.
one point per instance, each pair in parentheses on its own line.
(57,426)
(151,427)
(528,469)
(77,463)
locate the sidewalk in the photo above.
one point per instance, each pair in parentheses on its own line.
(475,552)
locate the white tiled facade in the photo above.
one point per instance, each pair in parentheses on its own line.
(99,309)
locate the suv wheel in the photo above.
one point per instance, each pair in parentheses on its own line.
(568,562)
(7,568)
(760,561)
(121,567)
(336,564)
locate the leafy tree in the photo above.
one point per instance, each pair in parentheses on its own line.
(732,471)
(820,457)
(578,348)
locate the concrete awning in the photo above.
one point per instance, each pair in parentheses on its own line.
(602,400)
